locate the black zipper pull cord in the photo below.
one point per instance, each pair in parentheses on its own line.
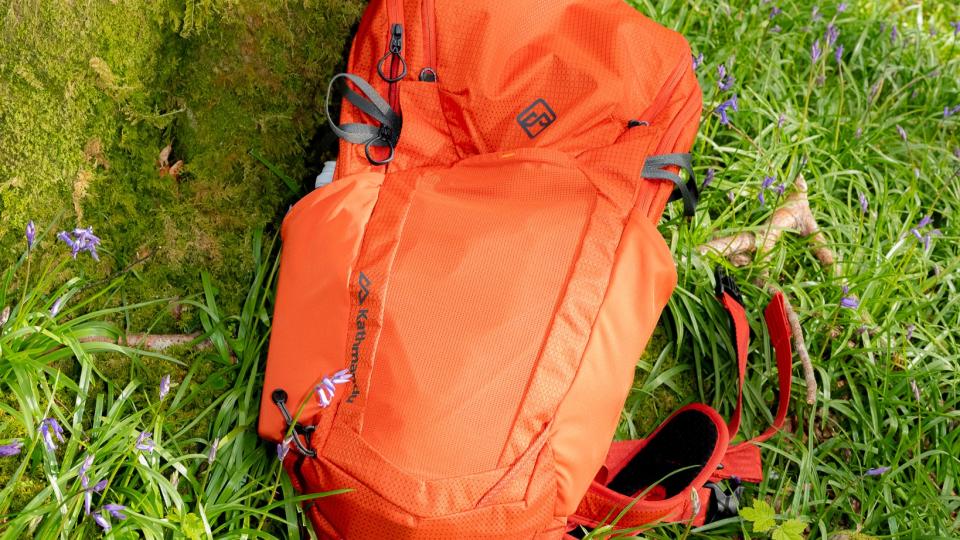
(279,397)
(396,47)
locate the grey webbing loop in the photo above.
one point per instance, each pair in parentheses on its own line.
(654,168)
(373,105)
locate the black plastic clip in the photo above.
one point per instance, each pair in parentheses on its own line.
(279,397)
(726,284)
(723,504)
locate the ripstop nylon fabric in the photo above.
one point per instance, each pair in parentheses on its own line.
(491,287)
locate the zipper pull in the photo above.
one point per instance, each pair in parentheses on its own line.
(394,52)
(396,41)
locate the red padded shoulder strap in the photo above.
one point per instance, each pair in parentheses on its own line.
(741,460)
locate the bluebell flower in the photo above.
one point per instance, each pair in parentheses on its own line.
(832,34)
(724,80)
(50,429)
(81,240)
(30,233)
(116,510)
(722,109)
(697,61)
(708,178)
(864,204)
(838,53)
(848,301)
(164,386)
(902,132)
(948,112)
(774,11)
(10,449)
(842,7)
(327,387)
(956,28)
(815,51)
(145,443)
(878,471)
(101,521)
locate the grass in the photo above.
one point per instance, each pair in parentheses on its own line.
(888,370)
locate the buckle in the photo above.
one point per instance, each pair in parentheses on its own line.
(723,504)
(726,284)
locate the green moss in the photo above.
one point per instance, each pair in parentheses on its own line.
(94,91)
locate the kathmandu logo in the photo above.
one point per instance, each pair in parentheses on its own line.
(360,325)
(364,291)
(536,118)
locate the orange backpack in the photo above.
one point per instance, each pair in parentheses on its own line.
(460,312)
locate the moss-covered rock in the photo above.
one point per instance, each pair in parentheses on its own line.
(91,92)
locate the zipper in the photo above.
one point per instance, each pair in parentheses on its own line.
(397,69)
(428,16)
(647,196)
(660,102)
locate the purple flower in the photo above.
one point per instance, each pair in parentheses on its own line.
(30,233)
(926,220)
(708,178)
(10,449)
(328,386)
(697,61)
(929,236)
(724,81)
(774,11)
(894,33)
(780,189)
(947,112)
(164,386)
(767,182)
(832,34)
(878,471)
(902,132)
(283,448)
(50,428)
(910,329)
(782,120)
(116,510)
(81,240)
(145,443)
(849,302)
(956,28)
(815,14)
(842,7)
(815,51)
(864,204)
(101,521)
(87,463)
(838,53)
(57,305)
(722,109)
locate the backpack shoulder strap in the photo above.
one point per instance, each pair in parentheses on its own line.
(690,451)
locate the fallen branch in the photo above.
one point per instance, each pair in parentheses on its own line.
(796,216)
(156,342)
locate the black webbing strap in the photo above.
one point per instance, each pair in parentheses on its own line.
(373,105)
(654,168)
